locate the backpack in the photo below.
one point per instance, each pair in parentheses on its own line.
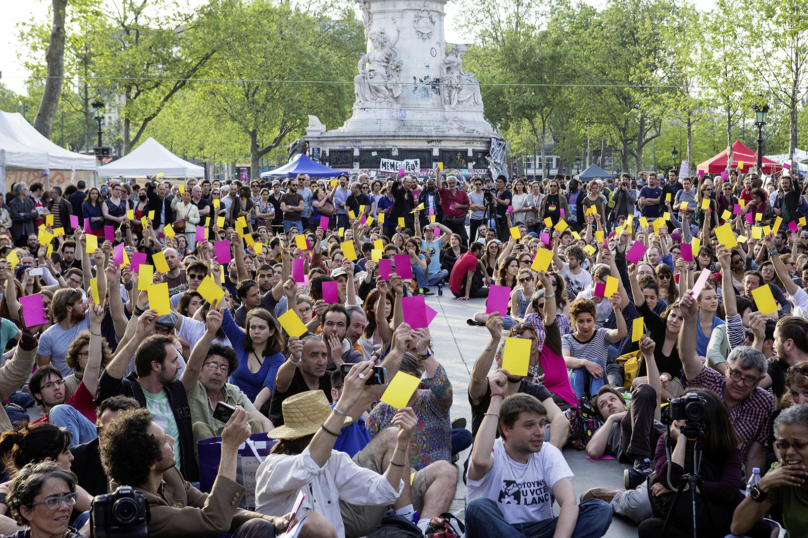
(631,366)
(441,527)
(584,422)
(396,526)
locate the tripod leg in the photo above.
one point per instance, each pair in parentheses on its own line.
(676,498)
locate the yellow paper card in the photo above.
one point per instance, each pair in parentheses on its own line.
(695,245)
(432,218)
(145,276)
(248,238)
(381,218)
(130,214)
(216,203)
(420,207)
(726,215)
(376,254)
(361,210)
(643,222)
(259,247)
(168,231)
(599,236)
(351,215)
(50,250)
(636,332)
(684,206)
(48,220)
(348,250)
(160,262)
(210,290)
(758,217)
(764,300)
(369,221)
(777,222)
(618,231)
(182,189)
(144,222)
(766,230)
(742,239)
(92,243)
(159,300)
(742,202)
(705,204)
(515,233)
(611,286)
(516,357)
(757,232)
(666,216)
(589,249)
(241,222)
(724,235)
(440,165)
(378,244)
(548,222)
(802,221)
(45,237)
(151,215)
(301,242)
(400,390)
(576,235)
(160,175)
(561,226)
(740,164)
(292,324)
(668,197)
(401,222)
(542,260)
(58,231)
(342,232)
(220,222)
(13,259)
(94,290)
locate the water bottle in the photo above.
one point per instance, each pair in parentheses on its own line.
(440,290)
(753,480)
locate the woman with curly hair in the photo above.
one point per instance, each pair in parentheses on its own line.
(377,335)
(507,271)
(41,499)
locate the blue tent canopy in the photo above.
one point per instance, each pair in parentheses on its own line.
(301,164)
(593,172)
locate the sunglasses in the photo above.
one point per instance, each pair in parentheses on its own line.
(528,279)
(801,369)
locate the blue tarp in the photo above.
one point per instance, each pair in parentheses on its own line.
(593,172)
(301,164)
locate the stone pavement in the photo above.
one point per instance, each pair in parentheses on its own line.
(457,346)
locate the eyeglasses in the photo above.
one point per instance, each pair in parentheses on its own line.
(54,503)
(785,445)
(528,279)
(293,184)
(84,354)
(747,381)
(195,276)
(526,261)
(365,187)
(555,284)
(53,384)
(212,366)
(666,277)
(801,369)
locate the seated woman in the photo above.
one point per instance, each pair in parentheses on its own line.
(41,498)
(786,485)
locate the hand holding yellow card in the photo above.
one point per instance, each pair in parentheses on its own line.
(210,290)
(300,240)
(516,357)
(145,277)
(636,332)
(548,222)
(724,235)
(611,287)
(159,300)
(160,262)
(291,324)
(94,291)
(764,300)
(348,250)
(92,243)
(542,260)
(515,233)
(561,226)
(400,390)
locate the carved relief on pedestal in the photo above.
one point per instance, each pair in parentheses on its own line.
(379,78)
(424,23)
(459,87)
(367,16)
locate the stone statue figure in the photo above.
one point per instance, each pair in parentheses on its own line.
(367,16)
(379,77)
(459,87)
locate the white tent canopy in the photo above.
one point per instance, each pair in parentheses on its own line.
(16,128)
(801,156)
(16,156)
(150,159)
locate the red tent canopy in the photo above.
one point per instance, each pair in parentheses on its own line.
(740,154)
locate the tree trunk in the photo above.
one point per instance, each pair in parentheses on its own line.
(55,58)
(729,135)
(690,141)
(254,155)
(793,113)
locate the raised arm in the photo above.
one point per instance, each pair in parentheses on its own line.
(780,268)
(727,289)
(481,458)
(687,338)
(193,367)
(123,355)
(479,373)
(116,311)
(95,357)
(615,335)
(385,331)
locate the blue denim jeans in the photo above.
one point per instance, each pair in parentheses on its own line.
(485,520)
(289,224)
(461,440)
(67,416)
(435,278)
(580,379)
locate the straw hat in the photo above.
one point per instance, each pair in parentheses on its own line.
(303,414)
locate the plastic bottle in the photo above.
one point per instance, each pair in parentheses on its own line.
(440,290)
(754,479)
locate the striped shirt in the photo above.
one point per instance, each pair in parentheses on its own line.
(594,350)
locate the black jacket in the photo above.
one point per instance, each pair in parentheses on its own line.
(88,469)
(155,204)
(22,217)
(65,210)
(109,386)
(399,208)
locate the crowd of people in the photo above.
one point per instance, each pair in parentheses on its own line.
(666,320)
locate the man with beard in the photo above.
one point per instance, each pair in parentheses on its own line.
(355,328)
(160,204)
(177,281)
(292,205)
(304,370)
(205,381)
(69,260)
(69,317)
(154,385)
(340,197)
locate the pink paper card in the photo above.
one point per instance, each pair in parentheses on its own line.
(700,282)
(686,251)
(222,251)
(793,226)
(737,209)
(33,310)
(363,220)
(430,314)
(787,166)
(138,258)
(724,175)
(600,289)
(385,268)
(510,209)
(750,218)
(701,174)
(562,213)
(545,238)
(403,267)
(200,233)
(331,292)
(74,221)
(451,206)
(109,233)
(498,297)
(324,223)
(117,254)
(605,457)
(636,252)
(298,270)
(415,311)
(402,172)
(87,228)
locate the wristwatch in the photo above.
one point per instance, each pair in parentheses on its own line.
(757,494)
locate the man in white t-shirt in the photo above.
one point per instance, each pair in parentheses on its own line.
(572,272)
(510,479)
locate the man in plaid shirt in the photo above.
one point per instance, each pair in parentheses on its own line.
(750,406)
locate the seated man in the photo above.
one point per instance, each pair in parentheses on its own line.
(303,370)
(468,279)
(205,381)
(137,452)
(510,479)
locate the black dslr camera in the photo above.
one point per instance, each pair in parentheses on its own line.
(689,408)
(123,514)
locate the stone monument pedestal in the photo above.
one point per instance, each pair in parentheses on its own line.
(415,105)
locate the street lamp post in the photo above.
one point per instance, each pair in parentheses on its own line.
(675,155)
(98,107)
(760,120)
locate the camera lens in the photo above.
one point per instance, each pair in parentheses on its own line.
(694,411)
(125,510)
